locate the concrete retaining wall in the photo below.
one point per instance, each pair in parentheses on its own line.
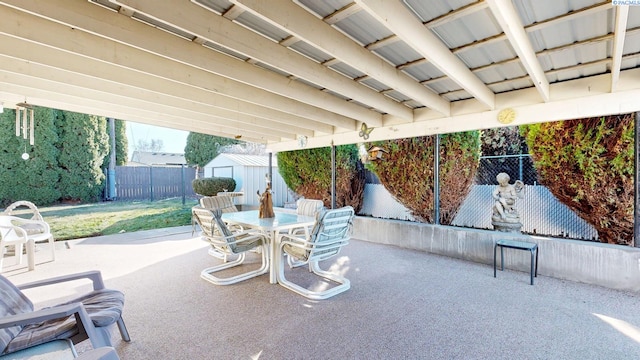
(612,266)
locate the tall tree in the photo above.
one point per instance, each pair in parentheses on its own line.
(202,148)
(83,145)
(35,179)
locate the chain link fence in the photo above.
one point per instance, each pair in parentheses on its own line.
(540,212)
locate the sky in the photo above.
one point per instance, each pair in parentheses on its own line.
(173,140)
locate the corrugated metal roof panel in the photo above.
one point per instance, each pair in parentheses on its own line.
(398,53)
(428,10)
(262,27)
(363,28)
(347,70)
(324,8)
(310,51)
(250,160)
(423,71)
(468,29)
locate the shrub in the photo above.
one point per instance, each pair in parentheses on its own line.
(587,164)
(407,172)
(213,185)
(308,173)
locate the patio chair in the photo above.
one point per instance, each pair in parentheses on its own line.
(230,241)
(17,231)
(11,235)
(90,316)
(36,227)
(221,202)
(330,233)
(307,207)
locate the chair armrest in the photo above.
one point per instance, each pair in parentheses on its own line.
(39,316)
(95,276)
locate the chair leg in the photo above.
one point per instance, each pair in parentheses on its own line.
(343,283)
(207,274)
(123,330)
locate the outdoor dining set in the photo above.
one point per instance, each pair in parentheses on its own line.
(311,234)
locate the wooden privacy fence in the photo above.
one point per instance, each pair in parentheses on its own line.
(154,182)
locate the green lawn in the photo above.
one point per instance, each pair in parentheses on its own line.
(79,221)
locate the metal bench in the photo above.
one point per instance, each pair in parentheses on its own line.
(519,245)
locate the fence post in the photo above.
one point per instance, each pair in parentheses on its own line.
(183,183)
(151,182)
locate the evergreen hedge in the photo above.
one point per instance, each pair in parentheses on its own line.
(308,173)
(407,172)
(587,164)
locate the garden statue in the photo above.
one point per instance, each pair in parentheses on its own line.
(505,217)
(266,202)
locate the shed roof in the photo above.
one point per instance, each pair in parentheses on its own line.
(157,158)
(246,160)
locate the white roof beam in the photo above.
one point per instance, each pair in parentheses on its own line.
(38,95)
(267,85)
(39,77)
(620,30)
(508,18)
(206,24)
(30,59)
(404,24)
(292,18)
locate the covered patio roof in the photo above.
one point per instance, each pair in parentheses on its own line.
(310,73)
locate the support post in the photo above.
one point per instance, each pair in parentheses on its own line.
(436,179)
(111,172)
(636,178)
(333,176)
(184,185)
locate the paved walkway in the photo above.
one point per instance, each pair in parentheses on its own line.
(402,305)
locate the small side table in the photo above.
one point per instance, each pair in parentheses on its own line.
(519,245)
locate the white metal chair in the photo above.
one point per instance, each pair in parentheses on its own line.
(307,207)
(223,203)
(330,233)
(230,241)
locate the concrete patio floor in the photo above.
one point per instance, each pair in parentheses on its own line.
(402,304)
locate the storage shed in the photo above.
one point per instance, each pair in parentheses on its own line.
(249,172)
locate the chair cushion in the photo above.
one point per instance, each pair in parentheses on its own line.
(309,207)
(224,203)
(103,306)
(12,302)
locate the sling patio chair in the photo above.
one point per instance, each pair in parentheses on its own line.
(221,202)
(231,241)
(330,233)
(307,207)
(89,316)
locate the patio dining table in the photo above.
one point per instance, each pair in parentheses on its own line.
(270,227)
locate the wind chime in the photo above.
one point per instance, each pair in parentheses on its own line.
(25,125)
